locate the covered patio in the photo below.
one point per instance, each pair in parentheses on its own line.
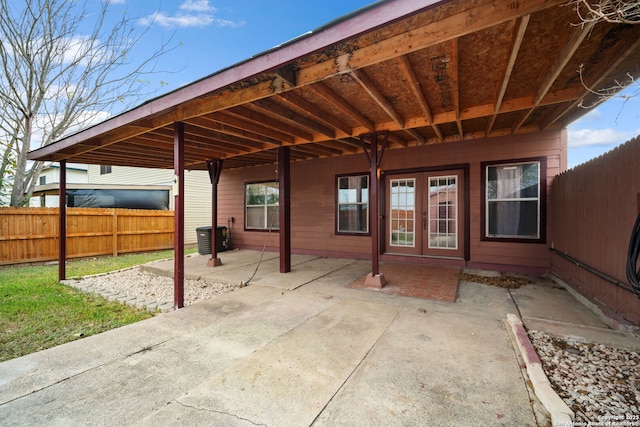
(394,75)
(245,267)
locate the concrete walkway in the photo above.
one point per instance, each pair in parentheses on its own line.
(296,349)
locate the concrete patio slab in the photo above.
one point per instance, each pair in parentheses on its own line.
(433,368)
(559,304)
(319,354)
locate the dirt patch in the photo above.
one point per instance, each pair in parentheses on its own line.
(508,282)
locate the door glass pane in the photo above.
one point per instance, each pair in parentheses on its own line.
(403,201)
(443,212)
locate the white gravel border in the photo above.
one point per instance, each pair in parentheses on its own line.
(143,289)
(580,384)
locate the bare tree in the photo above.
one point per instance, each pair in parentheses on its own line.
(62,67)
(613,11)
(592,12)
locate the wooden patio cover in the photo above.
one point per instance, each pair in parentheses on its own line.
(426,71)
(422,71)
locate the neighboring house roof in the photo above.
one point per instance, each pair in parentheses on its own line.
(426,71)
(54,188)
(70,166)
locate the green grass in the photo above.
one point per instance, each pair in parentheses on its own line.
(36,312)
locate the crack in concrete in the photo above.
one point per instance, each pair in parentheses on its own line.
(198,408)
(324,275)
(80,373)
(355,368)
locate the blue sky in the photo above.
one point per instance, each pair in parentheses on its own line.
(214,34)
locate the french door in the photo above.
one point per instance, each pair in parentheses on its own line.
(424,214)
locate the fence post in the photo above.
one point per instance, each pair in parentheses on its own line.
(114,214)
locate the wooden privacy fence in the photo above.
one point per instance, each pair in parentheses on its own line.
(592,211)
(31,234)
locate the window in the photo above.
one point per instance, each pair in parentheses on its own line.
(513,201)
(261,206)
(353,204)
(105,169)
(403,206)
(43,180)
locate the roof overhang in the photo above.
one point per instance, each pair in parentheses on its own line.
(428,72)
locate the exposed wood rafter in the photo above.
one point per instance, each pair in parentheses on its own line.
(414,85)
(376,94)
(566,53)
(516,42)
(341,105)
(622,51)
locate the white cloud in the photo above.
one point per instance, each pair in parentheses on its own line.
(198,6)
(192,13)
(599,137)
(179,20)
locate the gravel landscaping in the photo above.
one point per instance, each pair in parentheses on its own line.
(140,288)
(600,384)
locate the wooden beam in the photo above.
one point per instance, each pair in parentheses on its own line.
(376,94)
(178,207)
(229,117)
(284,206)
(254,113)
(516,42)
(209,124)
(625,48)
(270,107)
(455,84)
(314,112)
(288,75)
(324,91)
(62,223)
(469,20)
(562,59)
(414,85)
(214,167)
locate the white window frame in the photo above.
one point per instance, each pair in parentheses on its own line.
(357,204)
(496,200)
(268,222)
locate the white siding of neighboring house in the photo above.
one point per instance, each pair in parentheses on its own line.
(76,174)
(197,191)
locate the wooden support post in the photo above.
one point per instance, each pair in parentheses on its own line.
(374,152)
(284,194)
(215,168)
(178,207)
(62,225)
